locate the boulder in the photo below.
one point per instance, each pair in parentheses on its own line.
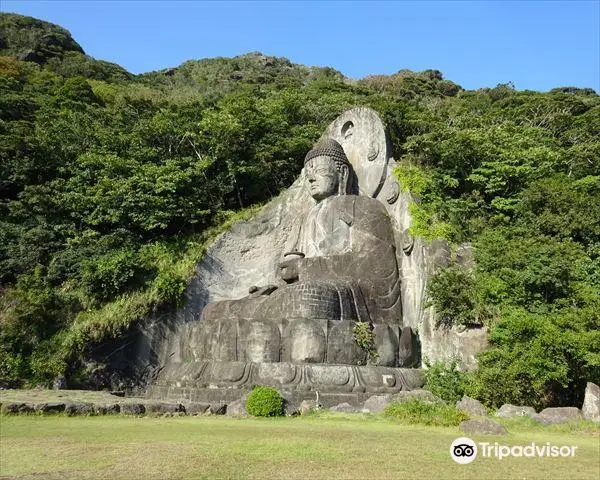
(133,408)
(107,408)
(343,408)
(591,403)
(15,408)
(424,395)
(237,408)
(291,408)
(509,411)
(307,406)
(471,406)
(554,416)
(161,408)
(196,408)
(377,403)
(218,408)
(79,408)
(482,427)
(50,407)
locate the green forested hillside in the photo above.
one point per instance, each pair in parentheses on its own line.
(111,184)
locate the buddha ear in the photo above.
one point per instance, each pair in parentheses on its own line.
(344,177)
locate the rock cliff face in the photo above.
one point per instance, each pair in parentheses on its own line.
(34,40)
(248,255)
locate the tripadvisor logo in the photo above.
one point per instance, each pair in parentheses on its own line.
(464,450)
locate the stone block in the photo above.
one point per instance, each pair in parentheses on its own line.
(107,408)
(161,408)
(237,408)
(554,416)
(376,403)
(482,427)
(218,408)
(591,403)
(303,342)
(50,407)
(132,408)
(196,408)
(16,408)
(330,374)
(510,411)
(79,408)
(259,341)
(471,406)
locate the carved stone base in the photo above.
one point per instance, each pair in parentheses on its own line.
(226,381)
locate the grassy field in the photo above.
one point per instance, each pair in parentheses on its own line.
(332,446)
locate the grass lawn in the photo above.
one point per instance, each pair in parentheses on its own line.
(331,446)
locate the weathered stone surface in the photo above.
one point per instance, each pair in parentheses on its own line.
(196,408)
(471,406)
(237,408)
(15,408)
(556,415)
(218,408)
(346,261)
(509,411)
(107,408)
(482,427)
(306,406)
(343,408)
(340,267)
(161,408)
(132,408)
(50,407)
(387,344)
(424,395)
(78,408)
(591,403)
(291,405)
(377,403)
(304,342)
(330,375)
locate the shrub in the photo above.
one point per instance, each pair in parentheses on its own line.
(416,411)
(452,292)
(363,335)
(264,402)
(446,381)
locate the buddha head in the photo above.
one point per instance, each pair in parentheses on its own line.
(327,170)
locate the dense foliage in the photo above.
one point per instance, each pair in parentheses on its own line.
(112,184)
(415,411)
(447,382)
(264,402)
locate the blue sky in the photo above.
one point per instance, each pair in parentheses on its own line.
(537,45)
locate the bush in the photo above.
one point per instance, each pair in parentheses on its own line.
(416,411)
(446,381)
(452,292)
(264,402)
(363,335)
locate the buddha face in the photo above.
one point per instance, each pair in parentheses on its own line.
(322,177)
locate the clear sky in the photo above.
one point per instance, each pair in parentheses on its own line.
(537,45)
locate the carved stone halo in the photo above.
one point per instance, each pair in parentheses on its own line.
(362,134)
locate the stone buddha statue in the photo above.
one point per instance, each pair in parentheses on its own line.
(339,268)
